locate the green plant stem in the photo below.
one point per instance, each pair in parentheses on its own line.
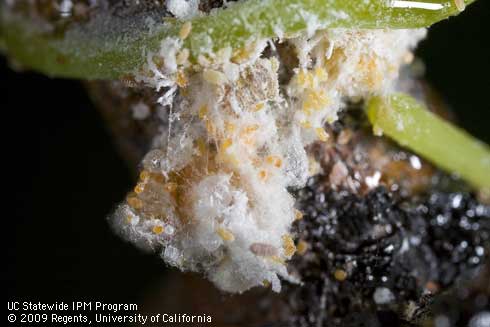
(402,118)
(90,54)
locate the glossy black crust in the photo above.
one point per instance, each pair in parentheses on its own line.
(406,246)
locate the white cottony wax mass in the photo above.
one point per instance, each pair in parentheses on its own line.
(212,196)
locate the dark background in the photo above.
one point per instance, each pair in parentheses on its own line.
(63,176)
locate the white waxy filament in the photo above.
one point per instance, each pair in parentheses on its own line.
(416,4)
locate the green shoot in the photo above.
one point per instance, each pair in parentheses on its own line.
(90,54)
(402,118)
